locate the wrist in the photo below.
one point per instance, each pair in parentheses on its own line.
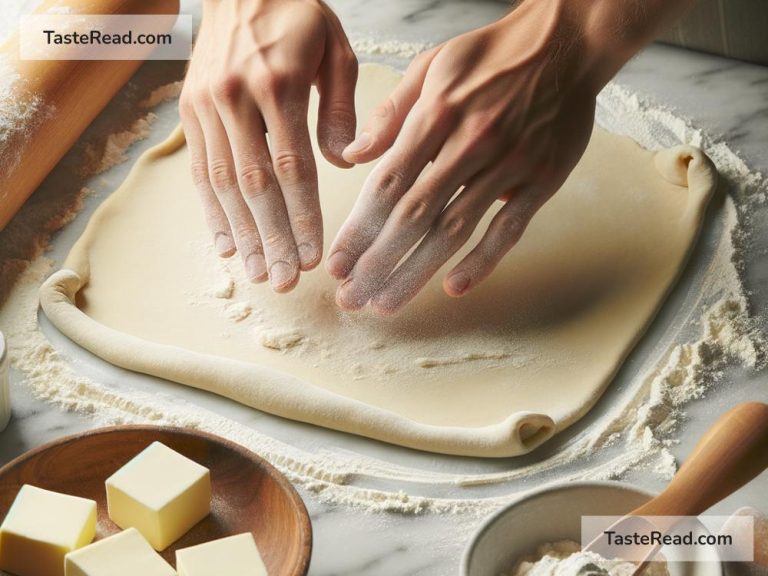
(615,30)
(590,40)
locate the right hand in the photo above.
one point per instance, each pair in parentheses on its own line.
(251,73)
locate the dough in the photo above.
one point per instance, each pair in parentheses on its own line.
(493,374)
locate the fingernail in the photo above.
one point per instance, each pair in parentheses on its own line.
(339,264)
(458,282)
(350,296)
(280,274)
(359,144)
(224,245)
(255,267)
(307,254)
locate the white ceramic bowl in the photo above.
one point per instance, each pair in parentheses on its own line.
(553,514)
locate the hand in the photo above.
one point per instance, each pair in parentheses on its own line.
(502,113)
(251,73)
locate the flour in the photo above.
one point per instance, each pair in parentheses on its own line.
(238,311)
(391,47)
(636,432)
(461,359)
(162,94)
(280,338)
(224,290)
(566,559)
(100,158)
(20,113)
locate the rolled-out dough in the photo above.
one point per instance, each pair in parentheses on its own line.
(495,373)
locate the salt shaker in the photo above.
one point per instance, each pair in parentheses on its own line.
(5,398)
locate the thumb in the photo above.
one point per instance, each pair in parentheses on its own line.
(386,121)
(336,82)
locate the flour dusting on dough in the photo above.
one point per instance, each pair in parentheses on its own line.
(280,338)
(224,289)
(423,362)
(238,311)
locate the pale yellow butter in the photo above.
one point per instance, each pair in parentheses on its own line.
(124,554)
(161,493)
(233,556)
(41,528)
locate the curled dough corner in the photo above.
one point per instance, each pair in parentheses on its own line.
(532,430)
(686,166)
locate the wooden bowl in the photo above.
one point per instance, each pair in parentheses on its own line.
(249,495)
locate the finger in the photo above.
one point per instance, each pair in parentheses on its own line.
(294,165)
(215,217)
(223,179)
(336,82)
(450,232)
(409,221)
(505,230)
(416,146)
(388,118)
(260,190)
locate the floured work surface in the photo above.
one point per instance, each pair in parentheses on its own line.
(495,373)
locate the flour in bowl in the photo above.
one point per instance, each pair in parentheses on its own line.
(565,558)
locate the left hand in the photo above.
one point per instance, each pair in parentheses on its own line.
(502,113)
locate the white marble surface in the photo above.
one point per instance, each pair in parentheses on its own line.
(724,97)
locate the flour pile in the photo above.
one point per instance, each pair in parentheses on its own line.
(566,559)
(713,331)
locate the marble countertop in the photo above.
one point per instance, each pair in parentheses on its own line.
(726,98)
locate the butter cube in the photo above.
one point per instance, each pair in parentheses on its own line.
(41,528)
(233,556)
(161,493)
(124,554)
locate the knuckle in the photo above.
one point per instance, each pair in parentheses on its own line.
(199,97)
(274,241)
(385,110)
(511,226)
(227,88)
(289,166)
(389,182)
(222,176)
(276,83)
(349,62)
(199,171)
(255,179)
(453,228)
(421,59)
(306,222)
(413,211)
(444,111)
(341,114)
(482,128)
(244,233)
(186,106)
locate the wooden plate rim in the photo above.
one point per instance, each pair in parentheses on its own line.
(305,523)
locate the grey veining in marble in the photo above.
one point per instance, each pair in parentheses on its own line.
(724,97)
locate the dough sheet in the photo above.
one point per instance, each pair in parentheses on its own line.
(494,374)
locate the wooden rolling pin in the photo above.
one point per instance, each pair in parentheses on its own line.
(68,94)
(731,453)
